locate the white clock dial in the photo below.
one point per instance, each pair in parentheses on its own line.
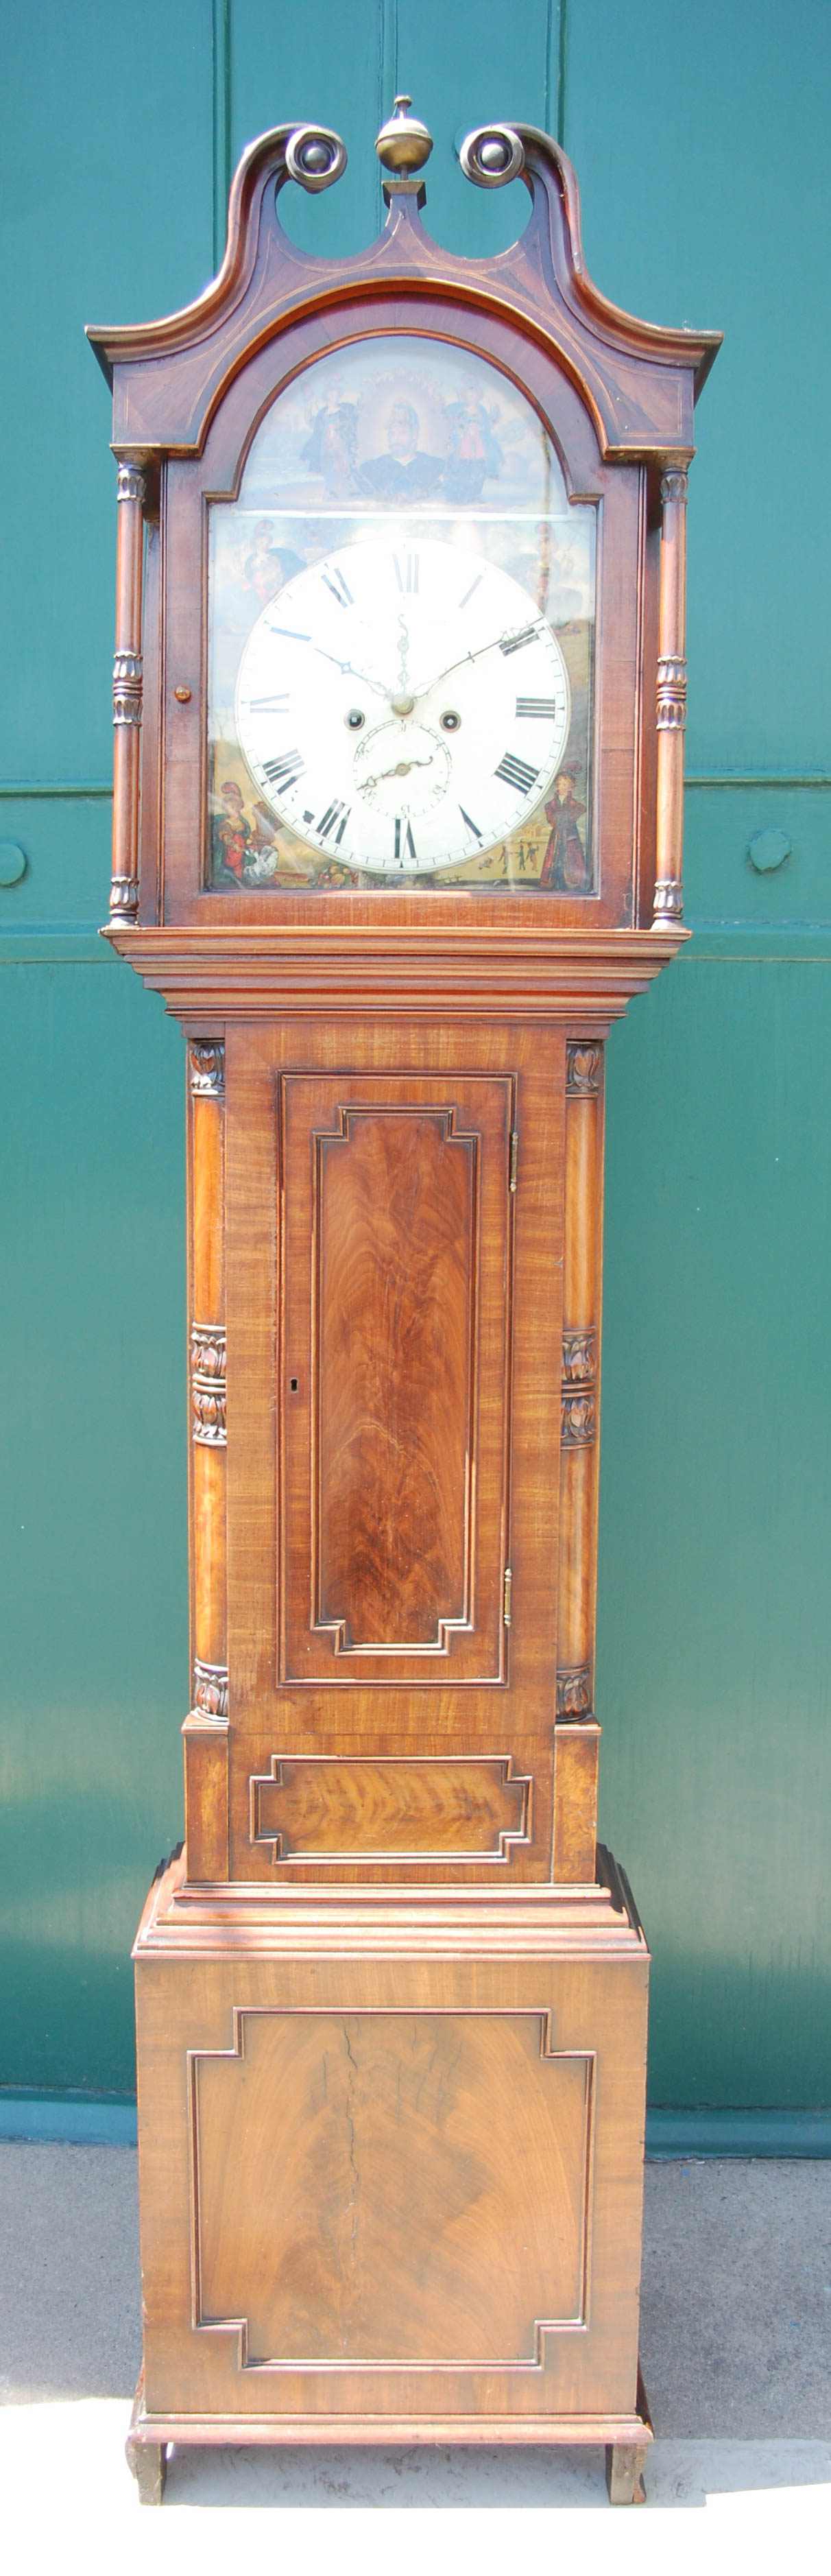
(403,705)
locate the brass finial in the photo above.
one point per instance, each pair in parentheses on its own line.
(403,143)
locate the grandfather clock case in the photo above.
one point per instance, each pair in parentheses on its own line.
(399,701)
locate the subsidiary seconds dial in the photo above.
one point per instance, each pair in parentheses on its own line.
(402,705)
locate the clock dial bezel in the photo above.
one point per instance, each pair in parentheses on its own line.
(375,767)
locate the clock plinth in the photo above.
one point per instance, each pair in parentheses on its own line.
(397,834)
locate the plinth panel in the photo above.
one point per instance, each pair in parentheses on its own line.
(391,2157)
(387,2188)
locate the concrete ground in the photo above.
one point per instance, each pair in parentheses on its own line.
(736,2351)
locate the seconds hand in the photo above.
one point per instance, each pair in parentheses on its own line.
(401,770)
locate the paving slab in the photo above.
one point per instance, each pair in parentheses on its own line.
(737,2360)
(66,2490)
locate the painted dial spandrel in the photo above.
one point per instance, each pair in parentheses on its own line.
(401,638)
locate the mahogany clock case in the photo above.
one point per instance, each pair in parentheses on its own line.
(391,2001)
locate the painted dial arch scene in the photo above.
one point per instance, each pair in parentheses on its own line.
(401,620)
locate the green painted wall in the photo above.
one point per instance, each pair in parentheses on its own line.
(701,145)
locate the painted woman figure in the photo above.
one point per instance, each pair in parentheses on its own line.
(268,566)
(232,833)
(331,449)
(474,454)
(565,865)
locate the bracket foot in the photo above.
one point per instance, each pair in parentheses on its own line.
(147,2461)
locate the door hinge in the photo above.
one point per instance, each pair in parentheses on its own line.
(513,1159)
(506,1598)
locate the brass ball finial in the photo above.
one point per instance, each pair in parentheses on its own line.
(403,144)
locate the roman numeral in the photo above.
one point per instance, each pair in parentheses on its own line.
(339,587)
(516,773)
(284,772)
(410,571)
(537,707)
(469,593)
(468,819)
(278,706)
(336,813)
(409,848)
(516,643)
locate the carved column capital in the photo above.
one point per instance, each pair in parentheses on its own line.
(579,1356)
(207,1364)
(131,483)
(671,694)
(675,484)
(584,1067)
(668,904)
(207,1069)
(210,1689)
(574,1691)
(124,898)
(127,688)
(578,1418)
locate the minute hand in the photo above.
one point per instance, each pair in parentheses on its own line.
(503,643)
(377,685)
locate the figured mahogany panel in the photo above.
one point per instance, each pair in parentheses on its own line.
(396,1210)
(321,1807)
(393,1473)
(343,2163)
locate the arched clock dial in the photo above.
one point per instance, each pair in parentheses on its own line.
(403,705)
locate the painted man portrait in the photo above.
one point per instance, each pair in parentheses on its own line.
(406,473)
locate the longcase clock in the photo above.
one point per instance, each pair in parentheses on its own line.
(399,706)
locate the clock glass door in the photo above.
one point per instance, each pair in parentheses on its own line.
(401,632)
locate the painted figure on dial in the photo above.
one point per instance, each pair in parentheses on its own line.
(406,473)
(565,866)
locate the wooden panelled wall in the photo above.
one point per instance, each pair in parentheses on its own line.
(700,140)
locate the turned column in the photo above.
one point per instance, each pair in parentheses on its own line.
(127,691)
(577,1733)
(671,706)
(206,1727)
